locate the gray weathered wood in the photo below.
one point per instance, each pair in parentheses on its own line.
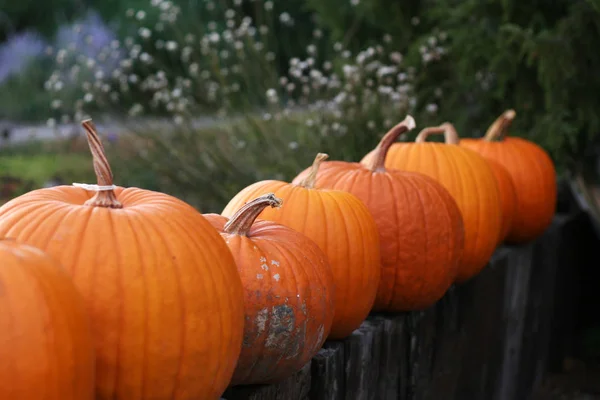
(362,352)
(393,361)
(295,388)
(328,374)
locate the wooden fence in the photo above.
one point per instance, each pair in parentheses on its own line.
(487,339)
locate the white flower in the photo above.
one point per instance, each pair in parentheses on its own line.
(386,70)
(140,15)
(268,5)
(293,145)
(144,32)
(88,97)
(354,2)
(431,108)
(171,45)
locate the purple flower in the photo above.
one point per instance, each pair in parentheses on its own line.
(101,37)
(18,51)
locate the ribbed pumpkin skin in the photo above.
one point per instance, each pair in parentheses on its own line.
(534,179)
(341,225)
(420,230)
(508,197)
(471,182)
(289,294)
(160,284)
(46,344)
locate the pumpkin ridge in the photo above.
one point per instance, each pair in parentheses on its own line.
(439,191)
(50,342)
(10,312)
(23,219)
(476,189)
(158,228)
(190,242)
(77,253)
(334,201)
(357,224)
(391,192)
(424,226)
(144,274)
(121,294)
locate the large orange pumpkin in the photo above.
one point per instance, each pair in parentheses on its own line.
(420,226)
(160,284)
(46,345)
(532,172)
(342,226)
(289,293)
(508,197)
(468,178)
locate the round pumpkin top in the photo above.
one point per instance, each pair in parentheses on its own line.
(468,178)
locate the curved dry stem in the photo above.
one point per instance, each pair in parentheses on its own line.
(497,131)
(377,161)
(309,181)
(241,222)
(104,176)
(447,129)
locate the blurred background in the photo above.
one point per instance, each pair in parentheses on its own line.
(199,98)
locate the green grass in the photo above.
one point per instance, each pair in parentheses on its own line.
(37,163)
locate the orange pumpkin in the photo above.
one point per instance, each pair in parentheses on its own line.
(289,293)
(508,197)
(46,345)
(420,226)
(160,284)
(342,226)
(468,178)
(532,172)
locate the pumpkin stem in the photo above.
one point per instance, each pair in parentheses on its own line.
(242,220)
(450,134)
(497,131)
(377,161)
(104,176)
(309,181)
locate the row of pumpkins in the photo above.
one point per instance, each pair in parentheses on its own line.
(124,293)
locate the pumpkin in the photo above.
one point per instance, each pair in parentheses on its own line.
(342,226)
(468,178)
(46,344)
(508,197)
(289,293)
(160,284)
(532,172)
(420,226)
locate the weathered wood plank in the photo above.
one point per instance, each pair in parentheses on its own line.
(482,325)
(393,361)
(296,387)
(362,352)
(421,331)
(328,374)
